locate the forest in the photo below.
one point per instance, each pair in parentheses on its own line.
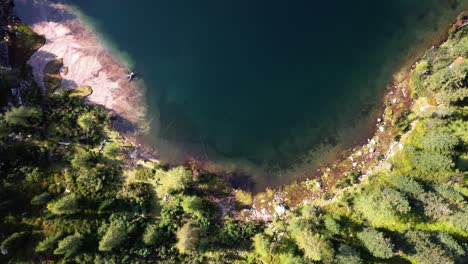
(70,192)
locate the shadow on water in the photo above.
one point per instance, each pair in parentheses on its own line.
(37,11)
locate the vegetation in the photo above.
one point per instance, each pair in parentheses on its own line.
(69,192)
(52,78)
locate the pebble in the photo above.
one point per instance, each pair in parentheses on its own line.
(381,129)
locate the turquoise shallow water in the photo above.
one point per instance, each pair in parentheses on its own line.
(263,82)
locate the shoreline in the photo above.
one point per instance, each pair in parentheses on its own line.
(324,184)
(87,62)
(103,72)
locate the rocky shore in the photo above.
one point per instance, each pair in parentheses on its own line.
(86,61)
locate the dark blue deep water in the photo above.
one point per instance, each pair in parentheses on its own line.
(263,82)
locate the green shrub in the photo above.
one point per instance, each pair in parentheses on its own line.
(69,245)
(235,232)
(23,117)
(314,246)
(448,193)
(261,245)
(450,243)
(14,241)
(347,255)
(174,180)
(112,151)
(188,238)
(383,206)
(49,242)
(406,184)
(440,141)
(434,206)
(244,197)
(376,243)
(65,205)
(143,173)
(151,234)
(41,199)
(402,121)
(115,235)
(425,251)
(417,77)
(195,206)
(331,225)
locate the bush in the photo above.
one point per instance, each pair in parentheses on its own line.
(112,151)
(424,164)
(244,197)
(376,243)
(143,173)
(347,255)
(425,251)
(195,206)
(65,205)
(187,238)
(314,246)
(48,243)
(115,235)
(402,121)
(235,232)
(417,77)
(23,117)
(458,220)
(290,258)
(261,245)
(41,199)
(14,241)
(383,206)
(450,243)
(440,141)
(406,184)
(69,246)
(448,193)
(174,180)
(434,206)
(151,234)
(331,225)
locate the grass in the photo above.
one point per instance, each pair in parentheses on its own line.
(81,91)
(52,78)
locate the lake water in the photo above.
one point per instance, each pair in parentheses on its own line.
(263,85)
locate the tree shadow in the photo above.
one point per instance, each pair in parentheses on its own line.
(45,55)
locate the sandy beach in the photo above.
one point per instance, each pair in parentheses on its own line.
(87,60)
